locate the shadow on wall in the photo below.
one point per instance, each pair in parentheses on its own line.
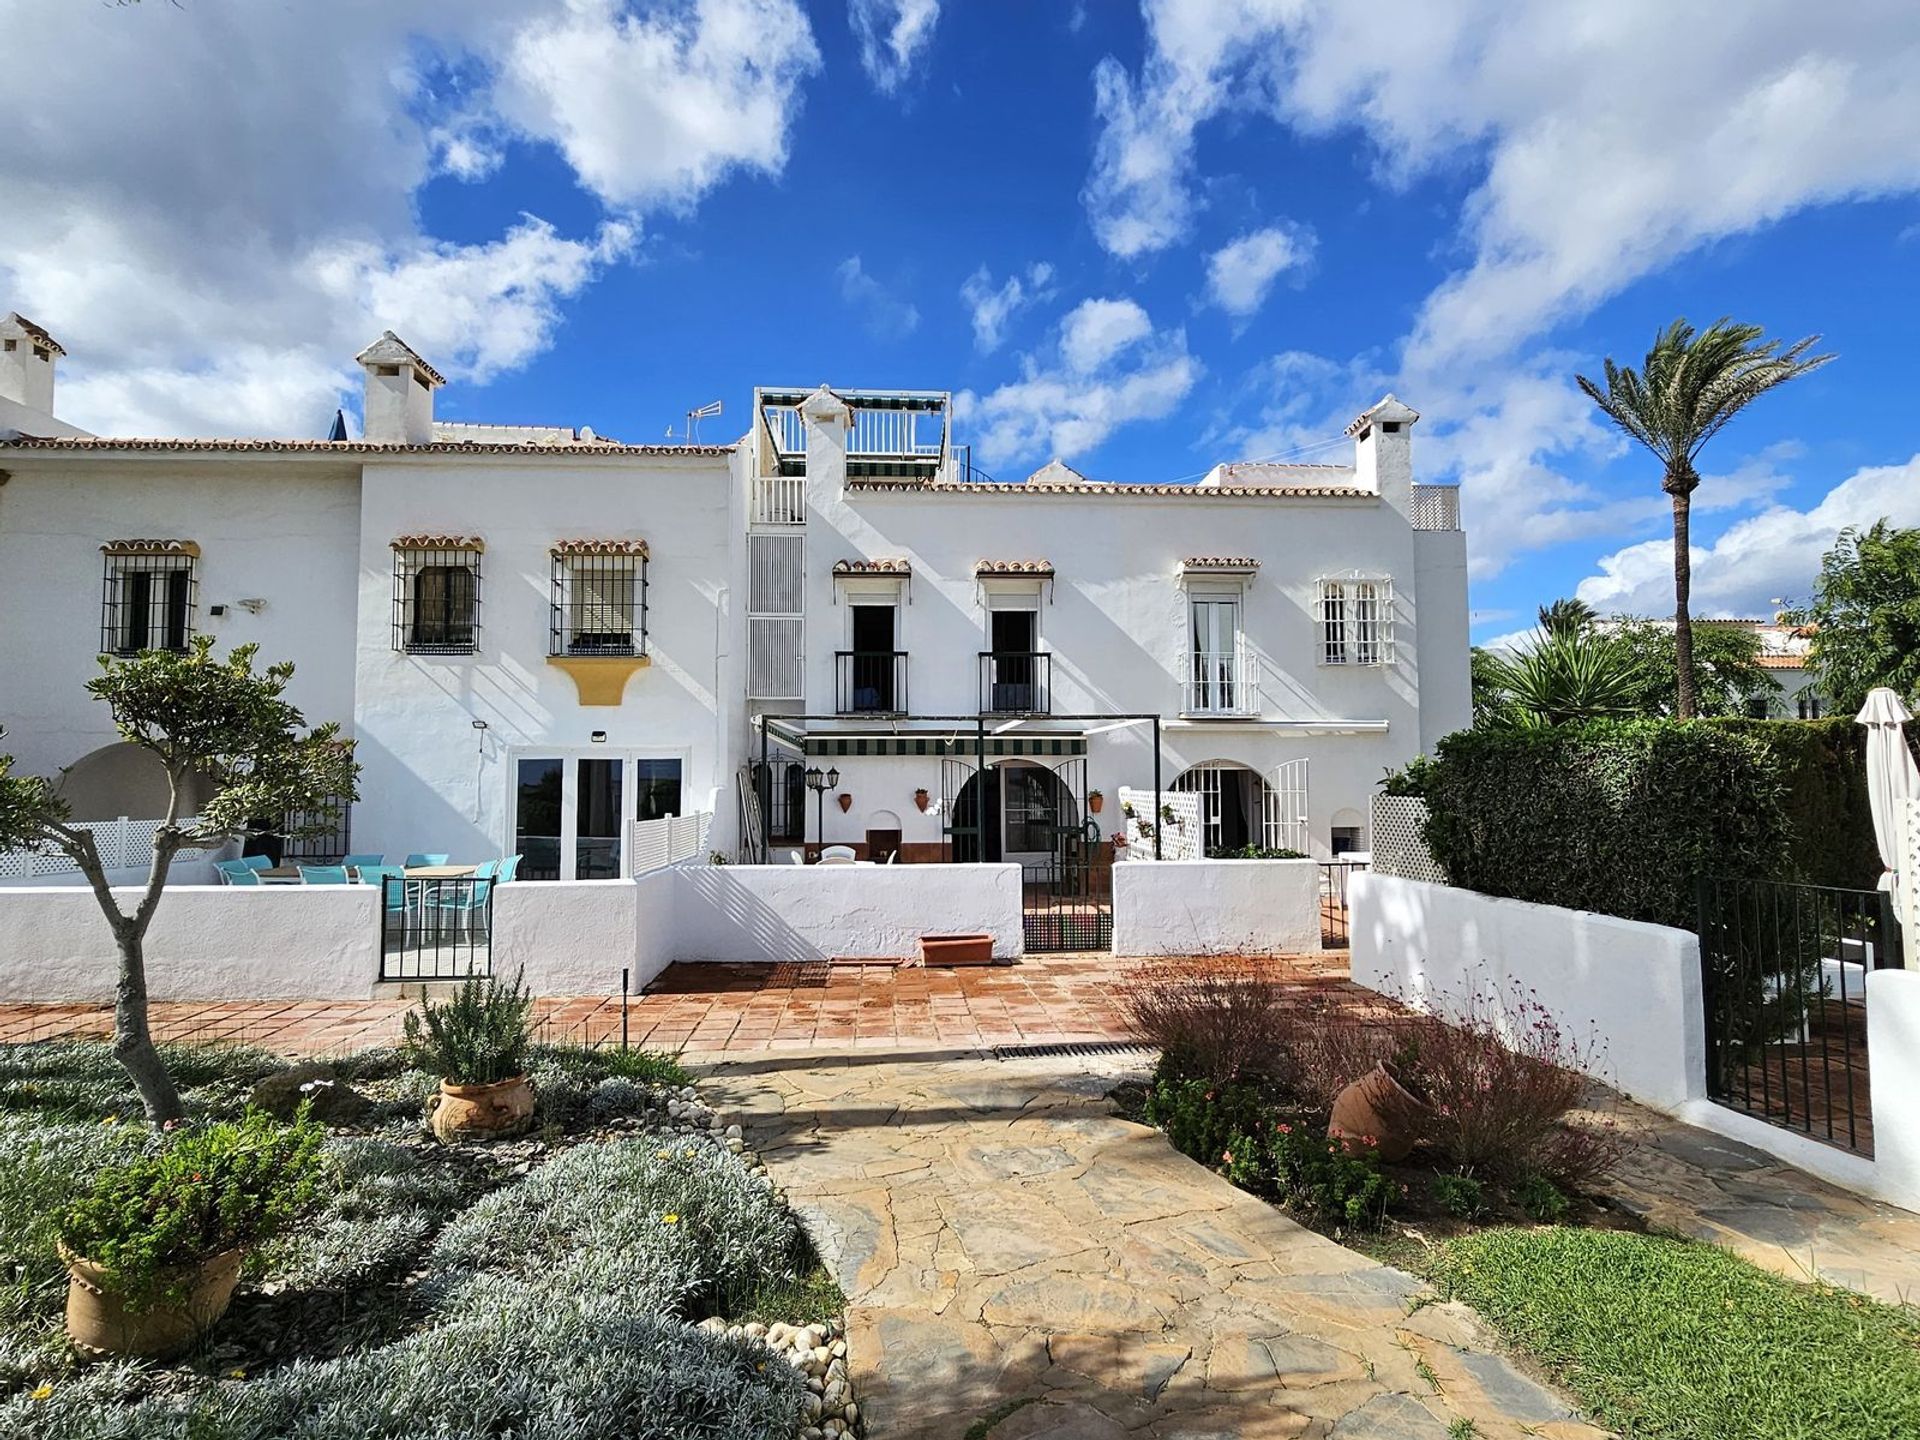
(123,779)
(709,902)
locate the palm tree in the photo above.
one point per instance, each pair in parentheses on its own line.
(1566,615)
(1693,383)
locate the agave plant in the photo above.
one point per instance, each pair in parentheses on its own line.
(1565,676)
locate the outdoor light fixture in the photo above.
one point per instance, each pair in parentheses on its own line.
(479,724)
(820,785)
(598,737)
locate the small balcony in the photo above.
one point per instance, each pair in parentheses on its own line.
(870,682)
(1221,685)
(1016,682)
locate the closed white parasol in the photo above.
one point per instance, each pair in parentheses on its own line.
(1893,779)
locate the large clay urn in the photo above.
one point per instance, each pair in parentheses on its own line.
(483,1112)
(1376,1109)
(100,1321)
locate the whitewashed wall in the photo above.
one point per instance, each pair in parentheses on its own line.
(1893,1056)
(817,912)
(1636,985)
(1216,907)
(206,943)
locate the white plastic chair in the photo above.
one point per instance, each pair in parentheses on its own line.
(893,856)
(838,860)
(838,854)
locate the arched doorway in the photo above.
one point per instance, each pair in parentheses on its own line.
(1237,808)
(124,779)
(1017,811)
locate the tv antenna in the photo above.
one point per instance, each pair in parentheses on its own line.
(694,417)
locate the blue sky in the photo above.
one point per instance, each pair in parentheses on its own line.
(1147,237)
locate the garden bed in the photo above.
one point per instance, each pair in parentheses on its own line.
(624,1269)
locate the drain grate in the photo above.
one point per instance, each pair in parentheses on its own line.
(1075,1050)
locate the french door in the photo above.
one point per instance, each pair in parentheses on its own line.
(571,810)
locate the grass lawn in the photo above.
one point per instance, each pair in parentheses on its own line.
(1660,1337)
(557,1287)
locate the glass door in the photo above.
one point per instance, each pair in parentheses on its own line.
(537,826)
(571,811)
(1216,626)
(597,819)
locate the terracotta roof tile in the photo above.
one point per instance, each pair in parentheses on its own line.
(1013,567)
(36,333)
(601,547)
(438,542)
(1219,562)
(150,547)
(885,566)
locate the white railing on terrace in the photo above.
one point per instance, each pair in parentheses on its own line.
(660,843)
(876,433)
(1222,683)
(123,844)
(780,500)
(1436,507)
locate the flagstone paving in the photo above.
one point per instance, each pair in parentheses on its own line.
(1004,1238)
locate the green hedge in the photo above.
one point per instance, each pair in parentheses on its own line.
(1622,817)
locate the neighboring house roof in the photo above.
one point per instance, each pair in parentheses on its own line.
(351,448)
(893,565)
(1781,662)
(1105,487)
(36,333)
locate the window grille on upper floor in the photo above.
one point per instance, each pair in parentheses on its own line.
(599,598)
(1356,621)
(436,594)
(149,595)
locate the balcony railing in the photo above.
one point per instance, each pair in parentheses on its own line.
(780,500)
(1221,683)
(882,439)
(870,682)
(1016,682)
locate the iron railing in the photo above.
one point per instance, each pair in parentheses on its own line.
(1221,683)
(149,600)
(1067,903)
(436,600)
(599,604)
(1016,682)
(435,929)
(870,682)
(1336,930)
(1783,972)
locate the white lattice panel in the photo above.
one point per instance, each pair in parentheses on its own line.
(1180,837)
(123,845)
(1399,839)
(668,841)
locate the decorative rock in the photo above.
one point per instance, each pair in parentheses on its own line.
(334,1101)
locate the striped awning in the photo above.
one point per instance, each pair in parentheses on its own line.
(957,746)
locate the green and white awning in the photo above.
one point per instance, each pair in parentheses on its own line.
(959,746)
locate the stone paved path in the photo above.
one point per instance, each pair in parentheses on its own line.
(1003,1238)
(1699,1184)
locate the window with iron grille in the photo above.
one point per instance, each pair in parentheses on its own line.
(1356,621)
(436,596)
(149,595)
(599,598)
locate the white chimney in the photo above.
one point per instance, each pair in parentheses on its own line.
(1383,452)
(399,396)
(827,418)
(27,354)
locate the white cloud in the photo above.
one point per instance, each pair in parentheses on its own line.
(893,35)
(223,213)
(1772,555)
(1107,368)
(1095,331)
(883,313)
(1240,273)
(994,306)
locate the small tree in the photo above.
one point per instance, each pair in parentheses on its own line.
(1727,674)
(219,723)
(1865,616)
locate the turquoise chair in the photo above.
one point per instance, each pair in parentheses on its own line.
(323,875)
(244,876)
(460,901)
(256,862)
(232,870)
(420,857)
(509,867)
(395,895)
(360,862)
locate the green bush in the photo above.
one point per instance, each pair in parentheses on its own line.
(1542,1200)
(1259,852)
(1311,1174)
(478,1037)
(1200,1116)
(1461,1196)
(1616,817)
(205,1191)
(43,1169)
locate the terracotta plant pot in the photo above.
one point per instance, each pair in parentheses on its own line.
(846,803)
(1096,803)
(99,1321)
(483,1112)
(920,799)
(1379,1108)
(956,949)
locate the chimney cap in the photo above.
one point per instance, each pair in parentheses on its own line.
(33,332)
(390,349)
(1387,408)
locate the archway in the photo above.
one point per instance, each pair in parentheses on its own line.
(1237,809)
(124,779)
(1017,811)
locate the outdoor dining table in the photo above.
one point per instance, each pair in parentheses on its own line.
(290,874)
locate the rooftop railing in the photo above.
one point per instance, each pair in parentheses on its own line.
(1436,507)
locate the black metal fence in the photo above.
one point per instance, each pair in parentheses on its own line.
(1335,929)
(870,682)
(1016,682)
(436,929)
(1783,974)
(1067,904)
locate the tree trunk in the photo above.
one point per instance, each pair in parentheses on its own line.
(1686,701)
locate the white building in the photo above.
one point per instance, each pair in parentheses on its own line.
(536,635)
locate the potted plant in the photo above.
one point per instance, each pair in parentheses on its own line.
(1381,1111)
(153,1249)
(846,802)
(476,1043)
(1095,801)
(920,799)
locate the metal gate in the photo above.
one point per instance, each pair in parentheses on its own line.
(1067,902)
(1783,971)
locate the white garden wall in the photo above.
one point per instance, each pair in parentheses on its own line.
(1636,985)
(1893,1056)
(1216,907)
(206,943)
(818,912)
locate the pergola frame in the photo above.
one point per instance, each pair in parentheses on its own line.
(1109,720)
